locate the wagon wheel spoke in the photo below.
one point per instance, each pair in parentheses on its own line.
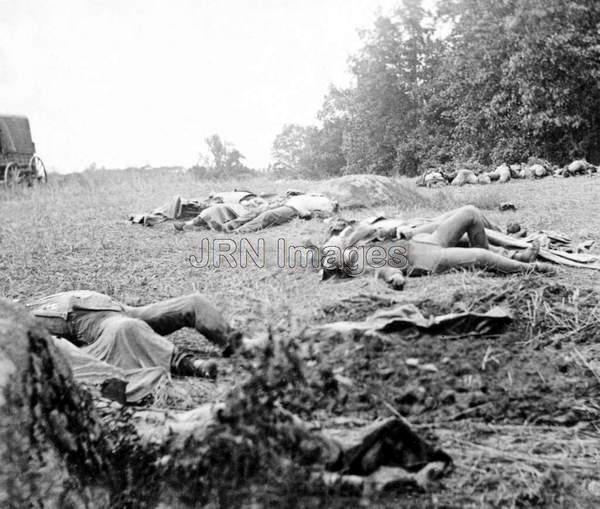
(12,175)
(37,170)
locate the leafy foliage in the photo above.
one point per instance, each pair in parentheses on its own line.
(483,80)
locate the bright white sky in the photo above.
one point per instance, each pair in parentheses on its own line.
(133,82)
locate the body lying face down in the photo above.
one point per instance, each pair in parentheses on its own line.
(393,249)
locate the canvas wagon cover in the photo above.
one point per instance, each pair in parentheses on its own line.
(15,135)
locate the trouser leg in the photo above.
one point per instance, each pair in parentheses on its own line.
(479,258)
(238,222)
(197,222)
(193,311)
(213,217)
(273,217)
(436,222)
(464,220)
(129,343)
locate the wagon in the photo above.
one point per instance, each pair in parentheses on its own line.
(18,161)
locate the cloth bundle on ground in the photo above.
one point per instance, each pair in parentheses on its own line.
(407,317)
(239,211)
(104,339)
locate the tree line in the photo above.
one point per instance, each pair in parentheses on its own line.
(479,81)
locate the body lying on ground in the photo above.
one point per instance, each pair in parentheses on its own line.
(241,211)
(252,214)
(381,455)
(577,167)
(535,168)
(103,338)
(464,177)
(457,239)
(501,174)
(84,437)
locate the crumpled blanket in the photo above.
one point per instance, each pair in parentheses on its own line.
(408,316)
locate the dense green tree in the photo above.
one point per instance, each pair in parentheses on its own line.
(520,78)
(385,105)
(475,98)
(556,69)
(485,81)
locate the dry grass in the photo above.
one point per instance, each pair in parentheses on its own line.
(73,233)
(547,466)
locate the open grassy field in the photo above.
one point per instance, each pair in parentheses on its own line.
(519,413)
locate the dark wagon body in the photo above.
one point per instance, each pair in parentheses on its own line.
(18,161)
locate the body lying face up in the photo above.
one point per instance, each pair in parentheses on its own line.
(393,249)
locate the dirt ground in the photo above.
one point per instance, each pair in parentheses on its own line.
(519,412)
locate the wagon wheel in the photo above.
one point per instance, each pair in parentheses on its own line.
(37,170)
(12,175)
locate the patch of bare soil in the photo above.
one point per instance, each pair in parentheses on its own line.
(537,372)
(519,410)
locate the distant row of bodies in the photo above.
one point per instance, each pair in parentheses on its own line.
(504,173)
